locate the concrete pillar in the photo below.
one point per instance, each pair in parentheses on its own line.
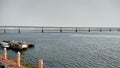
(42,29)
(5,53)
(76,29)
(100,30)
(40,63)
(19,30)
(60,29)
(4,30)
(110,29)
(18,59)
(118,29)
(89,30)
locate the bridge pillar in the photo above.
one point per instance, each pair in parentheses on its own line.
(89,29)
(18,59)
(42,29)
(118,29)
(76,29)
(110,30)
(100,30)
(40,64)
(19,30)
(4,30)
(60,29)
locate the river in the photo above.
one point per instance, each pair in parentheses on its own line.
(70,50)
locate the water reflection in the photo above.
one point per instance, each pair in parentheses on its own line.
(23,52)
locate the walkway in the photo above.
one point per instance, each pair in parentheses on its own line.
(9,63)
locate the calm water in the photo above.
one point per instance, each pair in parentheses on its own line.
(70,50)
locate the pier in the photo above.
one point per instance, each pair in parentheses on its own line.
(12,64)
(9,63)
(42,29)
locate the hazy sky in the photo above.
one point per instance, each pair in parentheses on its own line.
(60,12)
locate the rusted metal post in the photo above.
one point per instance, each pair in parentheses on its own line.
(40,63)
(18,59)
(5,53)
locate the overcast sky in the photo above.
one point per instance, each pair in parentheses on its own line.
(60,12)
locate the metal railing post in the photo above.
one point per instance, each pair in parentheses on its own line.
(40,63)
(5,53)
(18,59)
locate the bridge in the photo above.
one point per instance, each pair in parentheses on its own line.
(59,29)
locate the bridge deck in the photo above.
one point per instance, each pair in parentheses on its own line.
(59,29)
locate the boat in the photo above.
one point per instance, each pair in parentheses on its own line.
(18,45)
(4,44)
(29,44)
(7,41)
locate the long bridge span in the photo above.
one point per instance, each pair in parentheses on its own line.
(59,29)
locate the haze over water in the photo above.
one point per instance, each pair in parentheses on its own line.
(70,50)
